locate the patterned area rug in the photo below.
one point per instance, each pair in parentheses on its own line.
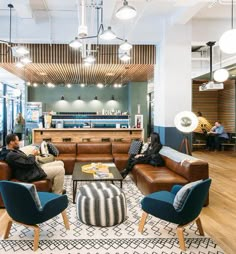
(158,236)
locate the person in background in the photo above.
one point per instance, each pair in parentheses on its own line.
(200,133)
(26,169)
(19,126)
(216,136)
(149,156)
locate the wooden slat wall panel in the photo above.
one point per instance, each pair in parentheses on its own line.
(63,54)
(216,105)
(205,102)
(63,64)
(226,106)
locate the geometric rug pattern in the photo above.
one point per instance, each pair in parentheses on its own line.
(159,237)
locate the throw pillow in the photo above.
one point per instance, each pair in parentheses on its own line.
(52,149)
(44,148)
(135,147)
(34,193)
(182,194)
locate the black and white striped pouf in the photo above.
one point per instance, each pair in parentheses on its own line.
(101,204)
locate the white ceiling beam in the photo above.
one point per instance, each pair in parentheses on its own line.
(185,14)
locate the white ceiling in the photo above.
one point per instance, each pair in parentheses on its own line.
(56,21)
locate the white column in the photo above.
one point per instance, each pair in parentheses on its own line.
(172,80)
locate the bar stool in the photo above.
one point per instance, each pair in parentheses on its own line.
(85,139)
(105,139)
(66,139)
(47,139)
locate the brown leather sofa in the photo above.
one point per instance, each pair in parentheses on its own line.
(6,174)
(179,168)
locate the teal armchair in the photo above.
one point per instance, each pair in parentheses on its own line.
(161,205)
(23,207)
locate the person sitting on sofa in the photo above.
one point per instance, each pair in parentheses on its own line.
(216,136)
(25,168)
(150,156)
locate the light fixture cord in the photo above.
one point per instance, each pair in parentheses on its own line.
(220,59)
(232,12)
(10,25)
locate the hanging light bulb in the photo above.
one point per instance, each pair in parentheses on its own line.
(25,60)
(221,75)
(89,59)
(227,41)
(125,46)
(76,43)
(108,34)
(126,11)
(125,57)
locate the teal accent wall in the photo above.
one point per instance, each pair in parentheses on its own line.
(138,95)
(126,99)
(51,98)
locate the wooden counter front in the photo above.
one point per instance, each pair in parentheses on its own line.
(81,134)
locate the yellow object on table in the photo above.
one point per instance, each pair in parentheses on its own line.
(93,167)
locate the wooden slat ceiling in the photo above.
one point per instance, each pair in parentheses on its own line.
(60,64)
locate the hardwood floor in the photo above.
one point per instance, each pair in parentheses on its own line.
(219,218)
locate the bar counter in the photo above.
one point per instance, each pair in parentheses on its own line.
(86,134)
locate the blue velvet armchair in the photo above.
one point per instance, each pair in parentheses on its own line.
(161,204)
(22,208)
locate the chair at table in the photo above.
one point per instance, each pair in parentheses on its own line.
(29,208)
(162,205)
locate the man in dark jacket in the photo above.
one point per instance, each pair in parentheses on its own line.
(25,168)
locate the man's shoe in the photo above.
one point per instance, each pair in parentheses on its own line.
(63,191)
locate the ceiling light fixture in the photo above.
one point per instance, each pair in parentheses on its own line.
(125,46)
(125,57)
(227,40)
(76,43)
(221,74)
(18,50)
(88,54)
(68,85)
(126,11)
(108,34)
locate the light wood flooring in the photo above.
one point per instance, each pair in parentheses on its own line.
(219,218)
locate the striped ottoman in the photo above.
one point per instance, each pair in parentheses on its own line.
(101,204)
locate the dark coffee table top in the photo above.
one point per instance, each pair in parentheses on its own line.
(78,175)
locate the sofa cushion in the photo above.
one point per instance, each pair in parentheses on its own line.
(66,148)
(120,147)
(151,179)
(182,194)
(102,148)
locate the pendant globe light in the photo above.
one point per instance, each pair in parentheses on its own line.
(126,12)
(227,41)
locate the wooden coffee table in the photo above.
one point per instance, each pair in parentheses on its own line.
(78,175)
